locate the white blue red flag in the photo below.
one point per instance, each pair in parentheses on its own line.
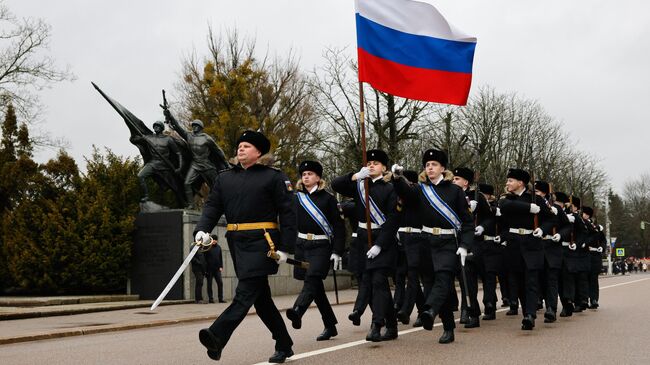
(407,48)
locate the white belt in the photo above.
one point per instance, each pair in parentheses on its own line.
(354,234)
(521,231)
(489,238)
(372,225)
(566,244)
(593,249)
(311,236)
(437,231)
(547,237)
(409,230)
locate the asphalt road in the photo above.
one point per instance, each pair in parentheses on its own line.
(615,333)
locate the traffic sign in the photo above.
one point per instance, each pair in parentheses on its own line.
(620,252)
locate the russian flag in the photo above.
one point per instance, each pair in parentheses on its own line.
(407,48)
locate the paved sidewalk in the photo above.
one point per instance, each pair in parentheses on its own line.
(33,329)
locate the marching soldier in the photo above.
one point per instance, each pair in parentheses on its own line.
(524,253)
(377,262)
(552,254)
(321,235)
(582,235)
(253,197)
(448,228)
(492,253)
(595,246)
(570,260)
(479,207)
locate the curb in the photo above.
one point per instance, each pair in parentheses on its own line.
(80,331)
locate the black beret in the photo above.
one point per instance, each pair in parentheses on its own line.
(486,189)
(160,123)
(561,197)
(377,155)
(465,173)
(257,139)
(434,155)
(588,210)
(313,166)
(411,176)
(575,201)
(519,174)
(542,186)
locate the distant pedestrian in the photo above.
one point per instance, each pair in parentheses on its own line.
(199,271)
(214,268)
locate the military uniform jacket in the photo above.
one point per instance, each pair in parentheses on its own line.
(482,216)
(443,249)
(582,235)
(515,213)
(553,250)
(492,252)
(257,194)
(410,242)
(597,239)
(318,252)
(384,196)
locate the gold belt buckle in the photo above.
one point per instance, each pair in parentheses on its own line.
(408,230)
(236,227)
(522,231)
(436,231)
(310,236)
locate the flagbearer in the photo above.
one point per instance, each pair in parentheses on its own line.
(373,265)
(254,198)
(449,230)
(321,235)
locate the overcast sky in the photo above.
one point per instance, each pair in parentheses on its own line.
(585,61)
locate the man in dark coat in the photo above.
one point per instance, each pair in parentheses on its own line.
(449,229)
(596,244)
(375,263)
(321,239)
(214,263)
(570,260)
(254,198)
(582,234)
(491,252)
(199,270)
(525,219)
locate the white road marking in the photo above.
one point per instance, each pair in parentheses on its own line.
(411,330)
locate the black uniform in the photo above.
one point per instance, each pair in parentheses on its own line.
(317,252)
(492,255)
(442,301)
(552,263)
(256,194)
(373,273)
(524,254)
(214,262)
(199,271)
(583,234)
(596,243)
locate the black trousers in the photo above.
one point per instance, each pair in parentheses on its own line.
(582,288)
(253,292)
(380,299)
(442,298)
(490,291)
(199,275)
(524,287)
(314,290)
(504,288)
(471,272)
(414,294)
(567,286)
(363,294)
(550,287)
(594,289)
(400,279)
(216,275)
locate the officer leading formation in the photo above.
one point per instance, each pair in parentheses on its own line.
(424,229)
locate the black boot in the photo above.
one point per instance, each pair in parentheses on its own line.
(549,316)
(505,303)
(512,312)
(211,342)
(374,335)
(594,304)
(473,322)
(389,334)
(528,323)
(278,357)
(418,322)
(403,317)
(490,312)
(355,317)
(427,319)
(295,317)
(447,337)
(327,333)
(464,316)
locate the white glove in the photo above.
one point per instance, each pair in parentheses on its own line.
(498,214)
(336,260)
(554,210)
(583,245)
(571,218)
(283,257)
(572,246)
(600,250)
(497,239)
(202,237)
(534,208)
(538,233)
(373,252)
(600,227)
(463,254)
(363,173)
(478,230)
(397,170)
(556,237)
(472,205)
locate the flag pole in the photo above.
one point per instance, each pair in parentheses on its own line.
(362,112)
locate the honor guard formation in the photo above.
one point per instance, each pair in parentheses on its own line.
(425,229)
